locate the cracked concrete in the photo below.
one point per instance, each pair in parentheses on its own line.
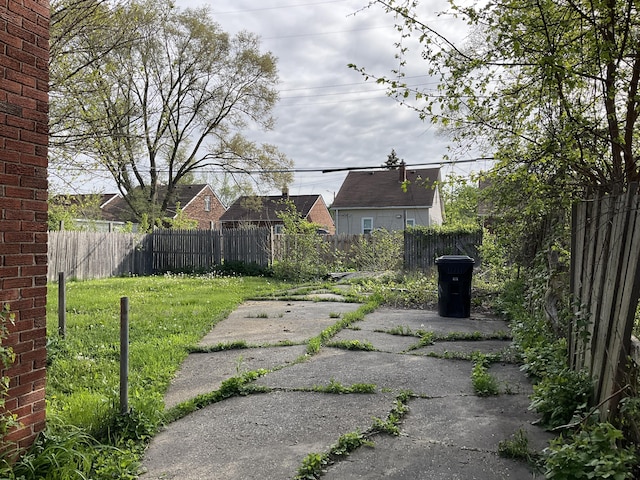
(448,432)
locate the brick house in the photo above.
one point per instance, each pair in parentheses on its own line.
(198,202)
(263,211)
(24,77)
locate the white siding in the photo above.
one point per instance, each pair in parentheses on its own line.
(349,221)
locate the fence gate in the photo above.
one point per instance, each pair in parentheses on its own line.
(605,286)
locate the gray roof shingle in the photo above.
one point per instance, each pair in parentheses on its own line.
(383,189)
(265,208)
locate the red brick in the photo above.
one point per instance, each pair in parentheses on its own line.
(9,156)
(40,7)
(9,133)
(20,33)
(9,39)
(21,78)
(24,215)
(21,347)
(39,95)
(18,169)
(23,411)
(34,160)
(19,146)
(19,237)
(37,416)
(35,292)
(9,295)
(6,272)
(26,14)
(34,271)
(10,404)
(20,390)
(6,226)
(21,101)
(18,259)
(33,226)
(9,179)
(39,312)
(32,377)
(19,282)
(34,248)
(34,355)
(38,183)
(19,434)
(21,56)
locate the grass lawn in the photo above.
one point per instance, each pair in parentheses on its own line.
(167,315)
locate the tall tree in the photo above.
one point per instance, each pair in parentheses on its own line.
(170,100)
(393,162)
(550,84)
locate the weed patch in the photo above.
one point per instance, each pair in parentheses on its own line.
(517,448)
(484,384)
(314,464)
(315,343)
(219,347)
(593,452)
(337,387)
(352,345)
(234,386)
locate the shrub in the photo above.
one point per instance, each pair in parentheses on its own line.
(593,452)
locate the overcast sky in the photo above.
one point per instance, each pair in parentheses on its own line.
(328,116)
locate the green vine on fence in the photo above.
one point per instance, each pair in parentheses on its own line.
(7,357)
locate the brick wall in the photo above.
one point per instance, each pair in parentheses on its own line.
(195,210)
(24,28)
(320,214)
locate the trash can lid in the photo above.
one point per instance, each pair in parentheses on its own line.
(455,259)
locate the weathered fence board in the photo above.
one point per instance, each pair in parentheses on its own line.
(605,288)
(251,246)
(421,248)
(86,255)
(175,250)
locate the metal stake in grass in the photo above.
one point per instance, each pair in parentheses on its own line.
(62,305)
(124,355)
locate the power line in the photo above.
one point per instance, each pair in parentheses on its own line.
(304,170)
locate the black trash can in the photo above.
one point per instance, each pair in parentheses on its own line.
(454,285)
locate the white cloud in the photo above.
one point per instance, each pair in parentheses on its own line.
(328,115)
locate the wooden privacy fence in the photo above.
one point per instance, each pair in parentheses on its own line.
(422,247)
(605,254)
(86,255)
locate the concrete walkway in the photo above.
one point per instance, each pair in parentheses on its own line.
(447,433)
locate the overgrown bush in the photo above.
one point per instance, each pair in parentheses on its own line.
(305,252)
(593,452)
(561,395)
(414,290)
(379,251)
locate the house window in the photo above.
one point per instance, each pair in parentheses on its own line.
(411,222)
(278,229)
(367,225)
(207,203)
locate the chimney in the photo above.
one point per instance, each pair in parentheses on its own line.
(402,172)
